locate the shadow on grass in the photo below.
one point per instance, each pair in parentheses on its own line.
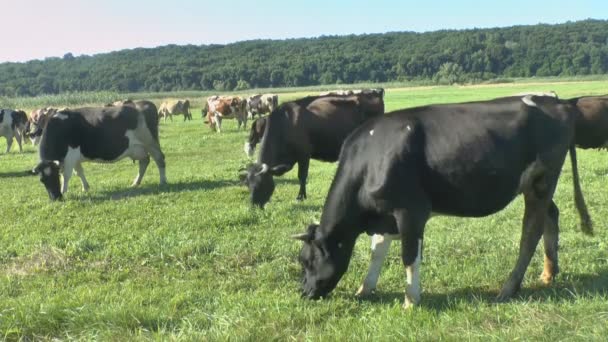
(16,174)
(578,285)
(153,189)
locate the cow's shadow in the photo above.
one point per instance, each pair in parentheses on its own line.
(17,174)
(154,189)
(578,285)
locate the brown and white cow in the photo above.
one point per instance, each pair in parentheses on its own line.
(225,107)
(36,122)
(175,107)
(12,125)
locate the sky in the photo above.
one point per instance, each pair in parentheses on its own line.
(35,29)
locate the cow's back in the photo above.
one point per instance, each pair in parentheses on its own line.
(457,152)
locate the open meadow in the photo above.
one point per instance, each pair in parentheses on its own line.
(192,260)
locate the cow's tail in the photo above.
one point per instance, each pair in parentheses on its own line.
(586,224)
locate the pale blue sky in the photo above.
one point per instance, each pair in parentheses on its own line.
(34,29)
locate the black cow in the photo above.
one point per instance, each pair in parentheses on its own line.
(105,134)
(467,160)
(12,125)
(312,127)
(255,135)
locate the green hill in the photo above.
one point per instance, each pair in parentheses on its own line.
(447,56)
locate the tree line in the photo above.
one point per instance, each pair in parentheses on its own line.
(445,57)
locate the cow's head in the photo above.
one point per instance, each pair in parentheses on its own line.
(323,262)
(49,176)
(258,178)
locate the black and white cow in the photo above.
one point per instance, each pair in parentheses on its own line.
(103,135)
(12,125)
(467,160)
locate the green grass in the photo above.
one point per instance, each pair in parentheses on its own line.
(193,261)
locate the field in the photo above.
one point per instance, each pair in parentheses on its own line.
(193,261)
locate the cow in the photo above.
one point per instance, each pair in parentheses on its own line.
(36,122)
(255,135)
(175,107)
(468,160)
(225,107)
(261,104)
(312,127)
(337,93)
(352,92)
(592,126)
(105,135)
(12,125)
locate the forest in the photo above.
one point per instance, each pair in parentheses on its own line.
(442,57)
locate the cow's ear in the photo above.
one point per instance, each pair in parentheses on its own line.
(309,235)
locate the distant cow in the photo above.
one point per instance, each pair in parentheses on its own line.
(103,135)
(255,135)
(349,92)
(261,104)
(467,160)
(12,125)
(175,107)
(337,92)
(225,107)
(312,127)
(36,122)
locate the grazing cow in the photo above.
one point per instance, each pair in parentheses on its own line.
(225,107)
(176,107)
(255,135)
(592,126)
(105,134)
(261,104)
(12,125)
(312,127)
(467,160)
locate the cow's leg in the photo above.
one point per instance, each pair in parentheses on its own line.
(143,166)
(218,123)
(380,247)
(537,197)
(18,138)
(159,159)
(68,168)
(244,123)
(9,142)
(411,224)
(302,176)
(551,242)
(80,172)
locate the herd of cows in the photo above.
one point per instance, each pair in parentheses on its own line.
(395,170)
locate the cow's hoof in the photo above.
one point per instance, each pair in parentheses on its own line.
(547,278)
(300,198)
(363,291)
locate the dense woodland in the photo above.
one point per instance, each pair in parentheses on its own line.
(448,56)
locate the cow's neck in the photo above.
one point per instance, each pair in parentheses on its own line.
(341,212)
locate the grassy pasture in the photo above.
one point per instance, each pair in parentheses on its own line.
(193,261)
